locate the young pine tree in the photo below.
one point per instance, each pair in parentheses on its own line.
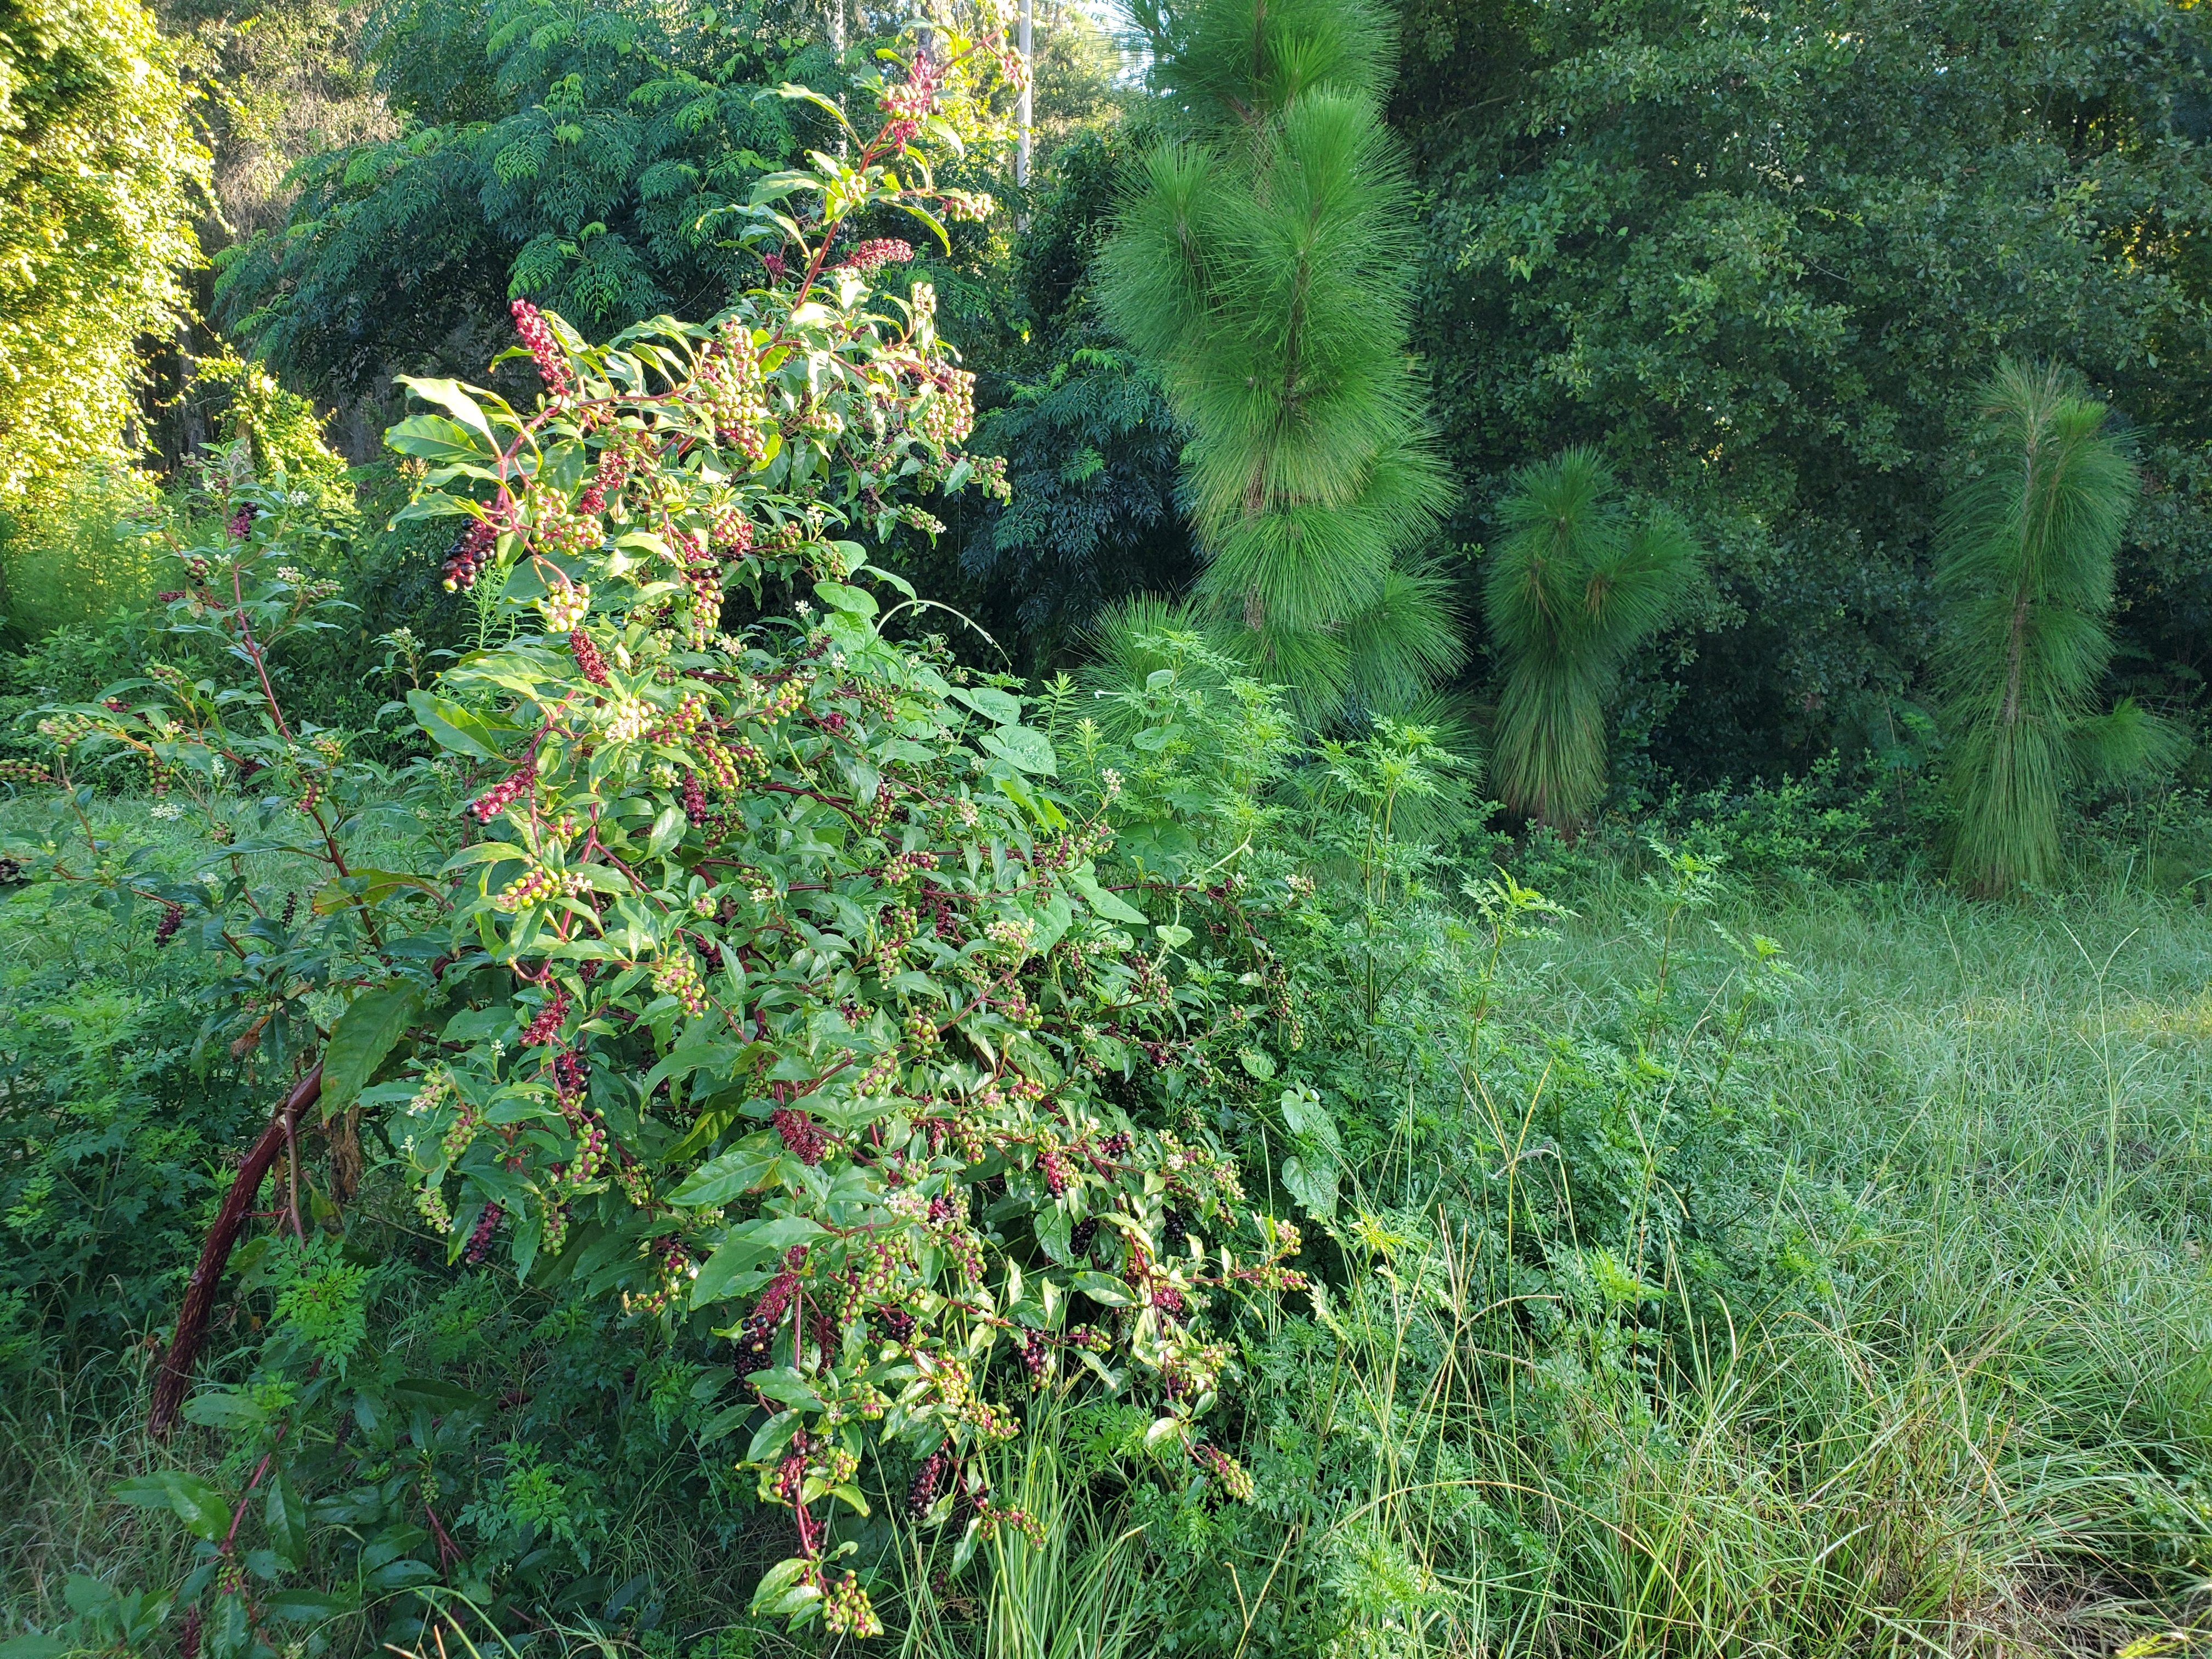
(1572,588)
(2024,568)
(1259,268)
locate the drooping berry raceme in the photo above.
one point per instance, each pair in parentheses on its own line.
(470,551)
(678,975)
(565,608)
(1232,1477)
(480,1239)
(589,663)
(504,795)
(928,1483)
(801,1138)
(544,349)
(729,376)
(547,1023)
(876,252)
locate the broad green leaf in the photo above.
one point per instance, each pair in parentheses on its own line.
(202,1509)
(1109,905)
(1002,708)
(1025,746)
(451,726)
(449,395)
(853,601)
(365,1033)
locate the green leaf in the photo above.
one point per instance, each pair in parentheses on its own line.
(309,1607)
(853,601)
(754,1244)
(730,1173)
(1025,746)
(366,1034)
(435,438)
(287,1517)
(451,726)
(202,1509)
(1054,1228)
(1112,906)
(35,1646)
(1110,1292)
(1315,1188)
(449,395)
(223,1408)
(1002,708)
(772,1437)
(667,830)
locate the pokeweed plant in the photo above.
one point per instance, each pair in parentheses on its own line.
(792,1005)
(286,811)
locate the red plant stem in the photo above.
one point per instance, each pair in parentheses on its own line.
(175,1375)
(260,1469)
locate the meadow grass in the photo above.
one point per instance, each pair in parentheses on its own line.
(1991,1437)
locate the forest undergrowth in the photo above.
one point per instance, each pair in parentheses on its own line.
(1937,1384)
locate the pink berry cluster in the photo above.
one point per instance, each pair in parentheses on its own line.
(877,252)
(546,1024)
(504,795)
(801,1138)
(732,533)
(678,975)
(911,101)
(616,463)
(1054,1168)
(589,663)
(538,340)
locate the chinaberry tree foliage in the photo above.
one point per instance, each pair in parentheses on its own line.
(588,158)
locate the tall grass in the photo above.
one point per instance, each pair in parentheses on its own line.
(1988,1437)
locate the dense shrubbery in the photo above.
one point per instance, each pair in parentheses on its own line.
(609,1084)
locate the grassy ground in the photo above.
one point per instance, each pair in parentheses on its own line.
(1995,1438)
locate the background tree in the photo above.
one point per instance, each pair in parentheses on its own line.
(1748,250)
(1571,589)
(100,175)
(1260,269)
(2026,576)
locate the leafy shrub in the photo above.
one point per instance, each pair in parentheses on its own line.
(83,554)
(778,997)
